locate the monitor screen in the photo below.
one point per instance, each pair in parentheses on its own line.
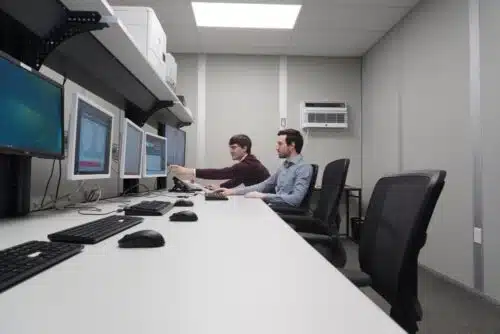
(131,154)
(176,148)
(31,112)
(90,141)
(156,152)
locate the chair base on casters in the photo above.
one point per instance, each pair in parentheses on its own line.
(407,316)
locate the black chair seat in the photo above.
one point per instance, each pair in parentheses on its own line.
(357,277)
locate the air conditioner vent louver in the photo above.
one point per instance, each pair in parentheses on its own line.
(324,115)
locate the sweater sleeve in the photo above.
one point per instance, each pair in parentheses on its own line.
(232,172)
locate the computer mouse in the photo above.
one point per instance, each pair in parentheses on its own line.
(184,216)
(142,239)
(183,202)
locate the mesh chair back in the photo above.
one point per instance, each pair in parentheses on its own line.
(332,187)
(394,231)
(306,202)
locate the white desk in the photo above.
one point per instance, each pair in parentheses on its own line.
(239,269)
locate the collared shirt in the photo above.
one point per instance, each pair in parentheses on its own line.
(288,185)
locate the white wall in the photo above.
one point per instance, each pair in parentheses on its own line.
(416,115)
(490,107)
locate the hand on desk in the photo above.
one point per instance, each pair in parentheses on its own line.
(255,194)
(212,187)
(225,191)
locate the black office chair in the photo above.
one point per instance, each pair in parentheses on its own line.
(394,232)
(305,205)
(324,218)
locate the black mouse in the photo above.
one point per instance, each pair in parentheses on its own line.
(184,216)
(183,202)
(142,239)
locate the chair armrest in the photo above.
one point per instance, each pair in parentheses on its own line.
(329,246)
(316,238)
(357,277)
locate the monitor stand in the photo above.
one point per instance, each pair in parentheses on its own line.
(131,186)
(15,185)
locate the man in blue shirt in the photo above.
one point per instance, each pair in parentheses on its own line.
(290,183)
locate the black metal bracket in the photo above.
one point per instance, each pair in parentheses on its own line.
(77,22)
(25,45)
(140,117)
(182,124)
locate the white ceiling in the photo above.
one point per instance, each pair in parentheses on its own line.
(324,28)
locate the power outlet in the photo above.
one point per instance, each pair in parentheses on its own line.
(478,235)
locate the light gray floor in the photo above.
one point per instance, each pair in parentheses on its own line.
(448,308)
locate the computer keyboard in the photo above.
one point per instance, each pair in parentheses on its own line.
(215,196)
(149,208)
(30,258)
(95,231)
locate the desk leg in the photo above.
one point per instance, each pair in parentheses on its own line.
(347,195)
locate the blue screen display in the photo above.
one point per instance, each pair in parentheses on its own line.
(155,155)
(93,140)
(31,112)
(176,146)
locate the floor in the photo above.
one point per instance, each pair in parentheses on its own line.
(448,308)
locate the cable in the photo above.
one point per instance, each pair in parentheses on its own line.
(64,196)
(48,183)
(59,179)
(81,212)
(135,186)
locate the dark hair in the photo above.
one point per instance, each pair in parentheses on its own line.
(293,136)
(242,141)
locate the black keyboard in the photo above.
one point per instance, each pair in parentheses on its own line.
(28,259)
(215,196)
(149,208)
(95,231)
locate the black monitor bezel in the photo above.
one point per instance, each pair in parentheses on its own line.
(35,153)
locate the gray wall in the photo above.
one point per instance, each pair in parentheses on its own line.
(416,115)
(242,96)
(328,79)
(490,107)
(187,85)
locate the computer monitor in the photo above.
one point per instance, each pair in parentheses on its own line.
(155,154)
(31,112)
(176,148)
(131,151)
(90,129)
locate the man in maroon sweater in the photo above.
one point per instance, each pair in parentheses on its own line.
(248,170)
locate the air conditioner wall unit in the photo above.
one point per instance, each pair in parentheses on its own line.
(329,115)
